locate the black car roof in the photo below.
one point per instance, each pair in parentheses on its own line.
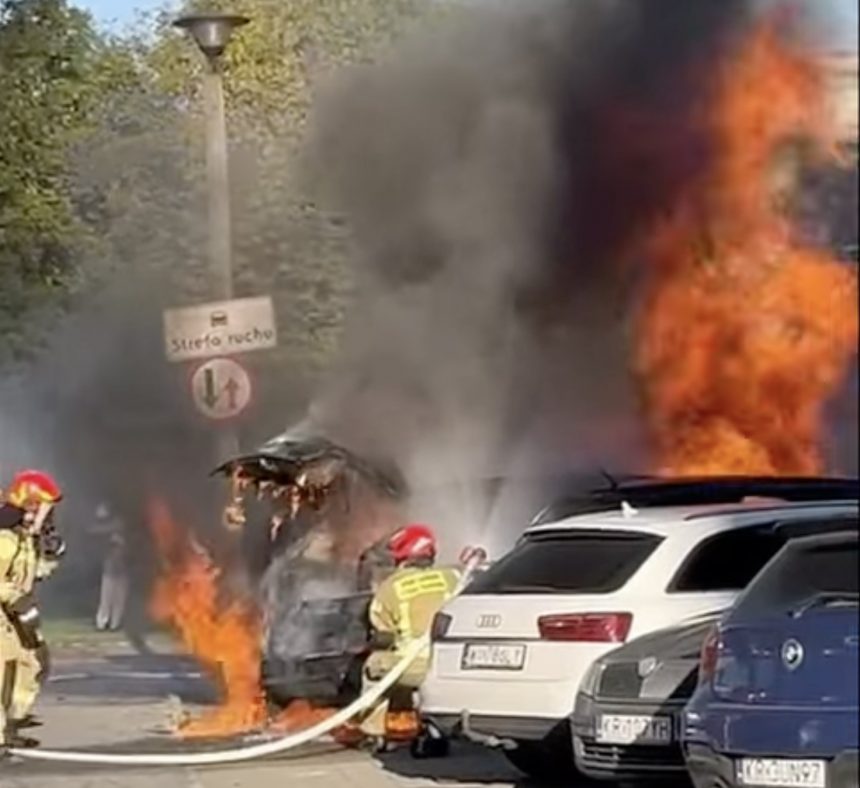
(660,491)
(845,536)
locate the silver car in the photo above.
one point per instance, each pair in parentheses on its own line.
(626,720)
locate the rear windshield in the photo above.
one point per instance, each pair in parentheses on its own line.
(584,562)
(804,576)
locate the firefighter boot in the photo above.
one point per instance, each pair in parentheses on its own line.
(13,738)
(430,743)
(30,721)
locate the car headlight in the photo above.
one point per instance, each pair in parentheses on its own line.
(588,686)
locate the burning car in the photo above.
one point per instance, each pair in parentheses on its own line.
(331,513)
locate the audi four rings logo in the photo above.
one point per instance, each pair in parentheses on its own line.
(489,621)
(792,654)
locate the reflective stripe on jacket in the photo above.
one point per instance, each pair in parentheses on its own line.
(407,600)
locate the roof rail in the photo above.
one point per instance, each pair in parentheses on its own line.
(690,491)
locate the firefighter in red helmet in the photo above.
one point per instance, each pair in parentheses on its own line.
(29,551)
(401,611)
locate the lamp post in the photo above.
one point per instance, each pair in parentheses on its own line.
(212,32)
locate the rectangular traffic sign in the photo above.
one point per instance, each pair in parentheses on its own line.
(221,328)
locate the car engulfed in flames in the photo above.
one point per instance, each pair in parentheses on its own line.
(283,642)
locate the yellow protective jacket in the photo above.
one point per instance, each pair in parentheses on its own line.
(406,601)
(20,565)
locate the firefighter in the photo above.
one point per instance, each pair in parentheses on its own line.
(401,611)
(30,549)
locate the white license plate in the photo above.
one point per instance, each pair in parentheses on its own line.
(493,656)
(782,773)
(633,729)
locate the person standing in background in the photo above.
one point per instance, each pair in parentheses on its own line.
(113,592)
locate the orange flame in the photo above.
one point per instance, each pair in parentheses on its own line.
(746,332)
(300,714)
(223,637)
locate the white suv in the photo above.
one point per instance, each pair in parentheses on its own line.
(509,653)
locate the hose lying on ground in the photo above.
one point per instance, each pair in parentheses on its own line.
(254,751)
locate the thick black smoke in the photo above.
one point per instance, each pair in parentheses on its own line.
(492,185)
(492,172)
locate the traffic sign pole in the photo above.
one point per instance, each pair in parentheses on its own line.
(228,443)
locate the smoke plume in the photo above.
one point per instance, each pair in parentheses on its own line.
(491,329)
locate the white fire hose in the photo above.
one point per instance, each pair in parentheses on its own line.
(254,751)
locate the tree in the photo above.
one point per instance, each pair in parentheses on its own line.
(50,65)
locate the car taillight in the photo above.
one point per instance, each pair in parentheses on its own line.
(708,656)
(586,627)
(441,625)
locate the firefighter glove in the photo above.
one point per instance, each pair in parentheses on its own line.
(25,618)
(43,656)
(53,546)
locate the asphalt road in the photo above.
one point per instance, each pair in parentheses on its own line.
(121,701)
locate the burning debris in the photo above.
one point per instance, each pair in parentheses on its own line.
(222,633)
(304,476)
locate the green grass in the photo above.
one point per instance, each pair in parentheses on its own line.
(61,631)
(55,629)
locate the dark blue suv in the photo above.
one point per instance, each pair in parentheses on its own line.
(776,703)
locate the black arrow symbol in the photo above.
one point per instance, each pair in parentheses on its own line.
(210,396)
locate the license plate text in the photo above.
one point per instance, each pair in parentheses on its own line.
(493,656)
(782,773)
(633,729)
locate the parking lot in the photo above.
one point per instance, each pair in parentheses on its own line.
(623,705)
(118,701)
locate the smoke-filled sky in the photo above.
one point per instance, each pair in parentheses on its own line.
(839,26)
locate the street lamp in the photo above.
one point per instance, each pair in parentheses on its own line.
(212,32)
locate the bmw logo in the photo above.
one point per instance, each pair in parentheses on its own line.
(792,654)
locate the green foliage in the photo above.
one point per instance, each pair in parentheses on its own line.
(54,73)
(102,169)
(274,62)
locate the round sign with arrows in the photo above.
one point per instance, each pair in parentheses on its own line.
(221,388)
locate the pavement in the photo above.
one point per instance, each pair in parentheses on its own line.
(103,695)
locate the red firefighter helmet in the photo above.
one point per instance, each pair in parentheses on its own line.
(33,487)
(412,542)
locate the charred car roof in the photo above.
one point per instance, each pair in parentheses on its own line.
(285,458)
